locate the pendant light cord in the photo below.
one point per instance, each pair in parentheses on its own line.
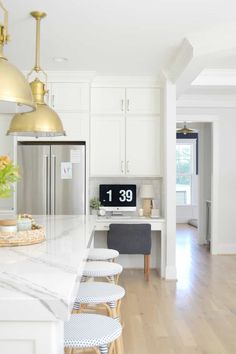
(37,48)
(5,24)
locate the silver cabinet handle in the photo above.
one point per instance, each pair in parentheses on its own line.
(53,186)
(127,167)
(127,105)
(47,200)
(122,105)
(53,100)
(122,166)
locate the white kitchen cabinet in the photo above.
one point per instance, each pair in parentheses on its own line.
(143,146)
(69,96)
(125,132)
(142,100)
(76,126)
(107,100)
(107,146)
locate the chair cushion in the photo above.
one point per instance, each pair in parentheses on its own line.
(102,254)
(90,330)
(99,293)
(130,238)
(101,269)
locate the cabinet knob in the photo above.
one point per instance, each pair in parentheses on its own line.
(122,166)
(127,105)
(122,105)
(127,167)
(53,100)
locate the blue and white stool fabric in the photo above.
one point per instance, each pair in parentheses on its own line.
(91,330)
(102,254)
(102,269)
(98,293)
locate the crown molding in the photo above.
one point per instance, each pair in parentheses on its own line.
(126,81)
(216,77)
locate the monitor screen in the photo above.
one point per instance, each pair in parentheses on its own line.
(118,196)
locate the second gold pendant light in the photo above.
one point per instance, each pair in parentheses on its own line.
(44,122)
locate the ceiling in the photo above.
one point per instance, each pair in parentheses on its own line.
(111,37)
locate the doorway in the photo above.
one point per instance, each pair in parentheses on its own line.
(196,176)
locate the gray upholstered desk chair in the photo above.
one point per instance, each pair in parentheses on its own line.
(131,239)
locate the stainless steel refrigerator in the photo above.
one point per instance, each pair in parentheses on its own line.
(52,178)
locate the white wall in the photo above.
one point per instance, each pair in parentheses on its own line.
(227,184)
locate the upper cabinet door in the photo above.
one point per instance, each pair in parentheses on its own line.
(107,146)
(143,146)
(143,100)
(107,100)
(69,97)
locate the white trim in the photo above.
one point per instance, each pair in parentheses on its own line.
(127,81)
(170,273)
(225,248)
(215,171)
(216,77)
(207,101)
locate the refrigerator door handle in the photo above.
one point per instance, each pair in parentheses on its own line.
(46,184)
(53,185)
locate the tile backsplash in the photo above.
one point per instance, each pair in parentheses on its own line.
(156,182)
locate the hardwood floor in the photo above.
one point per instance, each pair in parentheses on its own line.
(196,314)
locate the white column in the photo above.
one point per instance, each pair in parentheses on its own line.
(169,142)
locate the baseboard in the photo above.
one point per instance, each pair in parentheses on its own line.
(225,248)
(170,273)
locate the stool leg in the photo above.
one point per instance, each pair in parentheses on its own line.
(103,349)
(119,345)
(147,266)
(68,350)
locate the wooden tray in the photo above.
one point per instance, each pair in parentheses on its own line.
(22,238)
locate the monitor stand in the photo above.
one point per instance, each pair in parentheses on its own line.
(116,213)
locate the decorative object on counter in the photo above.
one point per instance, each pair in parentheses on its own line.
(22,238)
(44,121)
(147,195)
(9,174)
(140,212)
(155,213)
(8,225)
(15,93)
(101,212)
(94,205)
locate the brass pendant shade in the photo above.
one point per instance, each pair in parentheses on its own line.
(15,93)
(44,122)
(185,130)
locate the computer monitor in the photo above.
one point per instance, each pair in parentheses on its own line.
(118,197)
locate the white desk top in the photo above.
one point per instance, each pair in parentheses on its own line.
(40,282)
(129,218)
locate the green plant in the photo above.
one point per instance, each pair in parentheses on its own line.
(8,175)
(94,203)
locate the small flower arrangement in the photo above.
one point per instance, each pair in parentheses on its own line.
(95,203)
(9,173)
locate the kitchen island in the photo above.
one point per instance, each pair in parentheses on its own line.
(38,285)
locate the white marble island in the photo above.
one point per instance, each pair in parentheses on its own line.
(38,285)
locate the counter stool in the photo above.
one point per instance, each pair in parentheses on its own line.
(109,295)
(102,254)
(86,331)
(105,295)
(108,270)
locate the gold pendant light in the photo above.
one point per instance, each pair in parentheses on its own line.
(15,93)
(44,122)
(185,130)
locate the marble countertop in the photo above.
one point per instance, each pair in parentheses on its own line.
(40,282)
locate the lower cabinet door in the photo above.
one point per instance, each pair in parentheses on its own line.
(143,148)
(107,146)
